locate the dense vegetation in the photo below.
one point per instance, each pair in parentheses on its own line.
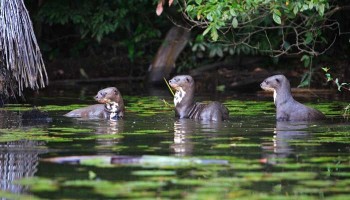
(220,28)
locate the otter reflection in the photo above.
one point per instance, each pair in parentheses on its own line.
(103,127)
(280,147)
(184,129)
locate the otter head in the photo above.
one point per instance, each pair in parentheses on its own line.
(183,84)
(274,84)
(108,95)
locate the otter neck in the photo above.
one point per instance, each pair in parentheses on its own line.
(119,100)
(282,95)
(183,100)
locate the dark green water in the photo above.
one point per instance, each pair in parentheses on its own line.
(250,156)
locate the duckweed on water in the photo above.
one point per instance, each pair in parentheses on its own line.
(8,135)
(151,131)
(26,107)
(255,162)
(38,184)
(153,173)
(9,195)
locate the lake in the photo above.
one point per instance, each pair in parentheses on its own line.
(152,155)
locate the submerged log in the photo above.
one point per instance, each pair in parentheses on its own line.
(164,61)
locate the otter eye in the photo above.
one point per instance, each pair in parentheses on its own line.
(266,82)
(277,80)
(187,80)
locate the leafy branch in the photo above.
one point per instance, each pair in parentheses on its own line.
(340,86)
(345,86)
(274,27)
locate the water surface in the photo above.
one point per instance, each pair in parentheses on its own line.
(150,154)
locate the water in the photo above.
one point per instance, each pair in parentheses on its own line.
(150,154)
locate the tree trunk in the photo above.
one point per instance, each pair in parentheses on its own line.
(164,62)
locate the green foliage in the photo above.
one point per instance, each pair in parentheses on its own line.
(201,46)
(306,79)
(126,23)
(340,86)
(276,27)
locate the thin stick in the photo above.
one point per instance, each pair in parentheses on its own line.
(169,87)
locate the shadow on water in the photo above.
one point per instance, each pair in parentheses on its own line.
(150,154)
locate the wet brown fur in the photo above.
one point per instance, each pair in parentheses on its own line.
(104,96)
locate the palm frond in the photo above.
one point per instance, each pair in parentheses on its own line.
(21,61)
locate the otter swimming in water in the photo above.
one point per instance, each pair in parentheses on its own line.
(288,109)
(185,107)
(111,106)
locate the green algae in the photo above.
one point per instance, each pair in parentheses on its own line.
(26,107)
(313,167)
(8,135)
(38,184)
(65,130)
(9,195)
(114,189)
(153,173)
(150,131)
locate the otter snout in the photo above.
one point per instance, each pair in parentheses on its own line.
(172,83)
(263,84)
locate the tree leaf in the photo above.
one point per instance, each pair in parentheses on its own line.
(306,60)
(214,34)
(295,9)
(159,9)
(321,9)
(206,30)
(189,8)
(198,2)
(234,22)
(170,2)
(276,18)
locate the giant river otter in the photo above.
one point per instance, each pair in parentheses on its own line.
(185,107)
(111,106)
(287,109)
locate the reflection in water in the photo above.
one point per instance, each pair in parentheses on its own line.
(284,132)
(103,127)
(183,131)
(110,128)
(18,159)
